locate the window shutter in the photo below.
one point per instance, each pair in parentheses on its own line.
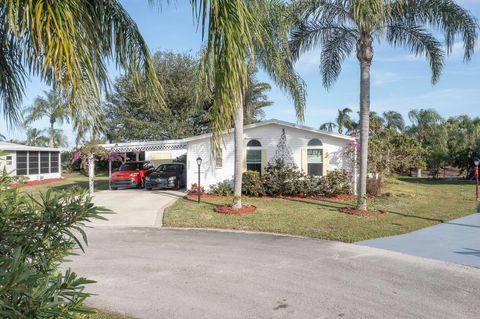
(325,162)
(244,161)
(264,161)
(304,165)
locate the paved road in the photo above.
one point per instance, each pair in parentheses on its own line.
(456,241)
(134,207)
(164,273)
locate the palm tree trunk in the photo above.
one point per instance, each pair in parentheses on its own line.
(52,133)
(364,55)
(239,151)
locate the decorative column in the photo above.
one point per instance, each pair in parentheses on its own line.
(91,174)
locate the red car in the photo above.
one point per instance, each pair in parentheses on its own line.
(131,174)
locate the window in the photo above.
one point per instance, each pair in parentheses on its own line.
(219,159)
(54,162)
(254,156)
(254,143)
(33,163)
(9,160)
(22,163)
(315,157)
(44,162)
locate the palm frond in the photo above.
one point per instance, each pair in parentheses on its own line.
(67,43)
(442,15)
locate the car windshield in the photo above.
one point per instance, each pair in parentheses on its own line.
(167,168)
(131,167)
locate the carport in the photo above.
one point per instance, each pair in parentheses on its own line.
(156,151)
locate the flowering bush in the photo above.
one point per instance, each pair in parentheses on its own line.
(335,183)
(252,184)
(194,189)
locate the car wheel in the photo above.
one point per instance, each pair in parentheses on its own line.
(142,183)
(113,188)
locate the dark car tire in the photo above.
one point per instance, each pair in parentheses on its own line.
(142,184)
(148,188)
(113,188)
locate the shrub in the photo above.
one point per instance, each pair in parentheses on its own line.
(374,185)
(194,189)
(35,237)
(335,183)
(282,179)
(221,188)
(252,184)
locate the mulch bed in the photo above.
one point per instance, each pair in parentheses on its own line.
(358,212)
(39,182)
(334,198)
(228,210)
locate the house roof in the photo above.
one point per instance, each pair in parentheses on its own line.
(281,123)
(7,146)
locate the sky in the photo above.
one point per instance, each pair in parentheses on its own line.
(400,81)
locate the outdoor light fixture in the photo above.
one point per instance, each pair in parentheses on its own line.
(199,162)
(476,161)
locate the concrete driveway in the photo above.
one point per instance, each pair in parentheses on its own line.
(166,273)
(456,241)
(134,207)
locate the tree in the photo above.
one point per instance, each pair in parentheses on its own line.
(51,106)
(342,26)
(2,137)
(239,33)
(343,119)
(67,44)
(35,137)
(425,125)
(328,126)
(394,120)
(255,99)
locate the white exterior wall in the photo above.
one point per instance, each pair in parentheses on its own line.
(269,136)
(10,168)
(164,155)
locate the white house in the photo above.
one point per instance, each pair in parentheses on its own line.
(313,151)
(37,163)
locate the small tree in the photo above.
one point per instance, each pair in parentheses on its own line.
(283,152)
(87,155)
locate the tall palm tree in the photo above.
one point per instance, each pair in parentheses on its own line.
(328,126)
(341,27)
(67,44)
(60,139)
(394,120)
(53,107)
(424,124)
(343,119)
(239,33)
(35,137)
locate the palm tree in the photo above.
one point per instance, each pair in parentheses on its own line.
(67,44)
(342,26)
(394,120)
(239,33)
(60,139)
(424,124)
(343,119)
(35,137)
(255,99)
(2,137)
(328,126)
(51,106)
(376,122)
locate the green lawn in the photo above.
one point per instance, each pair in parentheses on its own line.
(71,179)
(410,203)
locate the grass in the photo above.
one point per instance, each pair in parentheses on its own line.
(410,204)
(70,179)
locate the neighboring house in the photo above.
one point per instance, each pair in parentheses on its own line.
(314,152)
(37,163)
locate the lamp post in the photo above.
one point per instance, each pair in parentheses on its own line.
(199,162)
(476,161)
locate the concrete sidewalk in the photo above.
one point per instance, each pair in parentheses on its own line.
(456,241)
(134,207)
